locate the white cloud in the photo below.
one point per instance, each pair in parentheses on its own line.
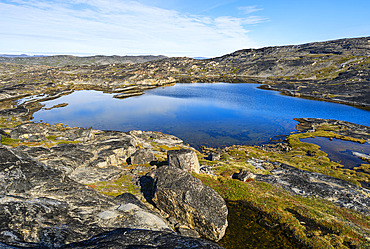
(117,27)
(249,9)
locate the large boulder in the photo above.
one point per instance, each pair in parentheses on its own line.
(190,202)
(184,159)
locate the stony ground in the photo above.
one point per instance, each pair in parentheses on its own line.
(87,187)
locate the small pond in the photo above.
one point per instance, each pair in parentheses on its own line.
(341,151)
(218,114)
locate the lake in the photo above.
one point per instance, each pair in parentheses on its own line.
(210,114)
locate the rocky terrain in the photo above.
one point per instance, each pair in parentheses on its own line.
(64,60)
(48,198)
(71,187)
(336,71)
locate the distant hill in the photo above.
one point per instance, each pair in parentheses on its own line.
(13,55)
(318,60)
(68,60)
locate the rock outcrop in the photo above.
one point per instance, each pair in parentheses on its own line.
(185,198)
(45,200)
(338,126)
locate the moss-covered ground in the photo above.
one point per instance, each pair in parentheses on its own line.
(316,223)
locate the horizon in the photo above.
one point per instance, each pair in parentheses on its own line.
(46,54)
(174,28)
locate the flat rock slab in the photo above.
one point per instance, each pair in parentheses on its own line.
(190,202)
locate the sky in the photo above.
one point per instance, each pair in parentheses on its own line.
(192,28)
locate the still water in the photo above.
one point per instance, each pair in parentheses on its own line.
(341,151)
(218,114)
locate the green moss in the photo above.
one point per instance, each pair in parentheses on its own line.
(363,167)
(9,141)
(165,147)
(312,221)
(9,123)
(116,187)
(52,138)
(229,168)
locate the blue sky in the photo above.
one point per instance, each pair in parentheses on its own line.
(174,28)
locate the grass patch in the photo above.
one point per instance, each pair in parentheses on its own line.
(50,142)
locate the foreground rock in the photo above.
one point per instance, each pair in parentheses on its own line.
(128,238)
(89,156)
(44,201)
(185,198)
(42,205)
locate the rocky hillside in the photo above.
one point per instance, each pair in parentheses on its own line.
(319,60)
(64,60)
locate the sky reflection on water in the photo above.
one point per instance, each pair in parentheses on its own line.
(341,151)
(201,114)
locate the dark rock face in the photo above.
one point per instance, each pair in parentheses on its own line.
(309,184)
(43,203)
(127,238)
(142,156)
(184,159)
(185,198)
(33,131)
